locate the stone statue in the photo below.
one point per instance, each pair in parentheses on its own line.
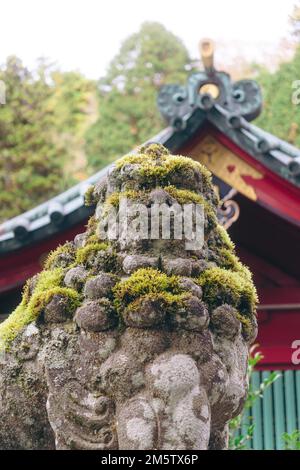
(131,342)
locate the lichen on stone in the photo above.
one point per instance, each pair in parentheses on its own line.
(223,286)
(223,238)
(91,249)
(89,196)
(142,282)
(62,256)
(157,167)
(49,283)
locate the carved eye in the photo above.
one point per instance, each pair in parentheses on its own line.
(179,97)
(238,95)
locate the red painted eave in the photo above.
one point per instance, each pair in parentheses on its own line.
(273,192)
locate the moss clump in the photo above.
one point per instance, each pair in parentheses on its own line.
(83,254)
(142,282)
(223,238)
(92,239)
(48,284)
(89,197)
(114,198)
(92,224)
(247,326)
(149,286)
(184,196)
(91,231)
(63,255)
(157,167)
(222,286)
(166,300)
(229,260)
(154,150)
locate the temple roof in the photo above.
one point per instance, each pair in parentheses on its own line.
(210,98)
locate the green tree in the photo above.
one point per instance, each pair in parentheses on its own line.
(30,161)
(75,107)
(127,94)
(42,127)
(281,110)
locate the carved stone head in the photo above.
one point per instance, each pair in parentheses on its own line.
(128,341)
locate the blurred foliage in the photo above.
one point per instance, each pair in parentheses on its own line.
(56,126)
(239,431)
(241,428)
(42,108)
(291,440)
(128,114)
(280,115)
(295,21)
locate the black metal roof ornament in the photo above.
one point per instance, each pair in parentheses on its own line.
(207,89)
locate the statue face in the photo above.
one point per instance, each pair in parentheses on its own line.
(186,382)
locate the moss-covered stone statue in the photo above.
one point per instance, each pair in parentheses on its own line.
(131,343)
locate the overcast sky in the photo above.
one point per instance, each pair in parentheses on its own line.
(85,34)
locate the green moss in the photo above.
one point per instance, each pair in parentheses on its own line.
(142,282)
(223,286)
(53,258)
(229,260)
(91,231)
(169,302)
(148,284)
(48,284)
(114,198)
(83,254)
(89,197)
(157,167)
(153,150)
(92,239)
(224,239)
(184,196)
(91,225)
(246,325)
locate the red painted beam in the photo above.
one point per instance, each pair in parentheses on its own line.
(17,267)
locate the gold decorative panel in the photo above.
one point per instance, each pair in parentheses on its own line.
(227,166)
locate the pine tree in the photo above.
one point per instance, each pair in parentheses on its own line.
(42,126)
(30,161)
(127,94)
(281,93)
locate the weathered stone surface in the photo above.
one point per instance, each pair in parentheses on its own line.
(149,313)
(75,277)
(133,262)
(140,344)
(193,316)
(100,286)
(80,240)
(225,323)
(95,315)
(190,286)
(179,266)
(57,310)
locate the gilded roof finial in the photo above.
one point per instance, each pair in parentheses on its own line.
(207,47)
